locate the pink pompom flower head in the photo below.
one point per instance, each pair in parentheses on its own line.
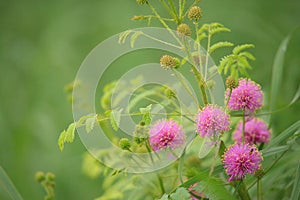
(240,160)
(166,134)
(211,121)
(246,96)
(256,131)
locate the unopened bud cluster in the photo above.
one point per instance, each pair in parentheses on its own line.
(169,62)
(184,30)
(195,13)
(231,83)
(141,2)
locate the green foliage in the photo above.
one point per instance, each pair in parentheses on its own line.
(48,183)
(237,62)
(124,35)
(134,38)
(181,193)
(115,118)
(296,192)
(9,187)
(219,45)
(146,114)
(66,136)
(286,134)
(90,123)
(208,30)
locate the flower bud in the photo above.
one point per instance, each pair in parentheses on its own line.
(184,30)
(140,17)
(141,2)
(50,176)
(40,176)
(169,62)
(195,13)
(231,83)
(124,144)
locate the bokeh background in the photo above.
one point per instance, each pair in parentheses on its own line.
(42,44)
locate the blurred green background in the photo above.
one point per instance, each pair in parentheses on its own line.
(42,44)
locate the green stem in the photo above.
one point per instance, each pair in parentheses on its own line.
(198,48)
(212,167)
(230,92)
(182,81)
(259,189)
(161,41)
(207,52)
(171,12)
(243,192)
(174,11)
(273,164)
(196,72)
(161,184)
(243,133)
(180,166)
(163,23)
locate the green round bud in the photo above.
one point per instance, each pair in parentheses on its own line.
(40,176)
(259,173)
(124,144)
(231,82)
(141,2)
(168,62)
(184,30)
(50,176)
(195,13)
(142,123)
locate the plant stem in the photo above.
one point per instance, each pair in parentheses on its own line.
(207,52)
(163,23)
(161,184)
(243,192)
(196,72)
(243,133)
(259,189)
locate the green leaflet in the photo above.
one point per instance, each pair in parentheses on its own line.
(115,118)
(287,133)
(296,192)
(277,72)
(146,114)
(181,194)
(242,47)
(134,38)
(219,45)
(9,187)
(90,123)
(205,147)
(66,136)
(274,150)
(214,188)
